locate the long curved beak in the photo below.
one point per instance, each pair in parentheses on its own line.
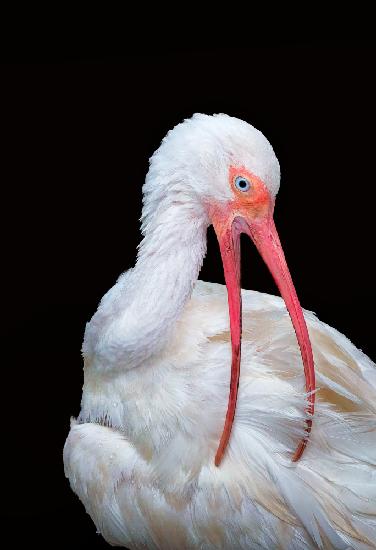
(262,231)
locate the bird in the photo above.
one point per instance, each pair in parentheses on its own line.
(214,417)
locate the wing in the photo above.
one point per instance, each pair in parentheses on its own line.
(332,490)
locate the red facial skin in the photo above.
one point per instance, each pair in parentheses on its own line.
(251,212)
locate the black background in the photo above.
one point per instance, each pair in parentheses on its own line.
(77,135)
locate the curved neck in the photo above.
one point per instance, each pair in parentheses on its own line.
(136,317)
(163,278)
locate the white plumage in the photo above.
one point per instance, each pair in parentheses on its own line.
(157,354)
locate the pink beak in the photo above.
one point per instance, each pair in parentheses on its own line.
(262,231)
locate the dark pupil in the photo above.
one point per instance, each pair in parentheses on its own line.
(242,184)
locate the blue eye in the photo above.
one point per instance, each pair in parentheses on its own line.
(242,183)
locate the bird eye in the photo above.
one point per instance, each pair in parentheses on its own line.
(242,183)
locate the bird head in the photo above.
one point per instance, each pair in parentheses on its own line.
(225,170)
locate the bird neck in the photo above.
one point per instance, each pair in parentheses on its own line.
(169,260)
(136,317)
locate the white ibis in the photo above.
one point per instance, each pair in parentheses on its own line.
(164,453)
